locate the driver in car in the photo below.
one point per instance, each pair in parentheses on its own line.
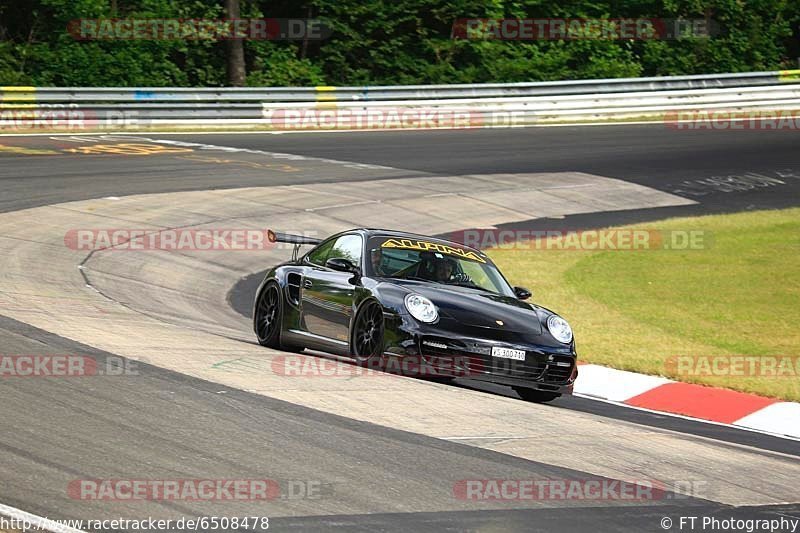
(376,258)
(443,270)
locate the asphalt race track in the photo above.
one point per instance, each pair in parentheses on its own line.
(200,400)
(649,154)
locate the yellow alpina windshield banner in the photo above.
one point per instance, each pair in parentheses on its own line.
(427,246)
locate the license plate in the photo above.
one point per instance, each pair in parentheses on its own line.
(508,353)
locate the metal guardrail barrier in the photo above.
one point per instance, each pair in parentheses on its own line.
(343,107)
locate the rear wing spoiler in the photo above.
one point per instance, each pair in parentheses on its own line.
(292,239)
(297,240)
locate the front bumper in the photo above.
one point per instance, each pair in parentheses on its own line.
(464,354)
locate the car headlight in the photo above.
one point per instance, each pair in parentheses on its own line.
(421,308)
(559,329)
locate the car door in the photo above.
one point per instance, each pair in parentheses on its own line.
(327,294)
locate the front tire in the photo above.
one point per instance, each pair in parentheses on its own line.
(536,396)
(368,334)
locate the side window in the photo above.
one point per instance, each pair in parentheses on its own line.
(319,255)
(348,247)
(477,275)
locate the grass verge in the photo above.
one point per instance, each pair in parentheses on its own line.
(738,295)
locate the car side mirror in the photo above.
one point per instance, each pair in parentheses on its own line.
(522,293)
(341,264)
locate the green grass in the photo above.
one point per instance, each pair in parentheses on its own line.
(739,295)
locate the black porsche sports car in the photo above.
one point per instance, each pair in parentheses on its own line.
(440,308)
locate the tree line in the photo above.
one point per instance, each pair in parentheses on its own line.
(379,42)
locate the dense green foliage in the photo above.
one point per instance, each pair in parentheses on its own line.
(387,42)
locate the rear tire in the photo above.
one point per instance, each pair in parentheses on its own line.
(536,396)
(268,316)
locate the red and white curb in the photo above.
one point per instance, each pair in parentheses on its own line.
(713,404)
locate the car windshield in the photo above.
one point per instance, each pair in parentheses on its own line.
(435,262)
